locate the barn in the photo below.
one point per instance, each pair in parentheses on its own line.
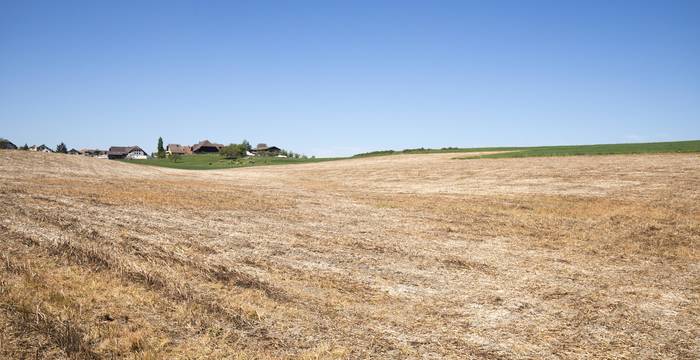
(206,146)
(264,150)
(126,152)
(7,144)
(42,148)
(178,149)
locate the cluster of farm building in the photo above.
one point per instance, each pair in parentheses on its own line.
(205,146)
(136,152)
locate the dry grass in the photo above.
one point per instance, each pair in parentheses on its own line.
(410,256)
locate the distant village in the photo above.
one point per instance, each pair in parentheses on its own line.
(171,150)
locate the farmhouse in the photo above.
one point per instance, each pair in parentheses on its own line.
(205,146)
(178,149)
(7,144)
(93,152)
(42,148)
(264,150)
(73,152)
(126,152)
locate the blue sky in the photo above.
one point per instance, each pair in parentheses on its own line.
(341,77)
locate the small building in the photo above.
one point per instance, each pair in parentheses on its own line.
(264,150)
(93,152)
(205,146)
(42,148)
(126,152)
(178,149)
(73,152)
(7,144)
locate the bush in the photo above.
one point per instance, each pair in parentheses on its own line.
(233,151)
(246,144)
(62,148)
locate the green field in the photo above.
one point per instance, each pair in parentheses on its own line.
(433,151)
(600,149)
(215,161)
(565,150)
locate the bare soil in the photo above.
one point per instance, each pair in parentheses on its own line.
(405,256)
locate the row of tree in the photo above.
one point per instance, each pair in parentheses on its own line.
(291,154)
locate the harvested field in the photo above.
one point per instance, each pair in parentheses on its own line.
(406,256)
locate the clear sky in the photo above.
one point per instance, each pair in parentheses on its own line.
(341,77)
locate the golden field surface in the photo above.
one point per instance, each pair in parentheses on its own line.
(406,256)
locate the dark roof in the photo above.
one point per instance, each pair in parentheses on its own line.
(73,151)
(265,148)
(205,143)
(93,151)
(42,147)
(123,150)
(7,144)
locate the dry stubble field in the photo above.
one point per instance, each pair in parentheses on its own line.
(411,256)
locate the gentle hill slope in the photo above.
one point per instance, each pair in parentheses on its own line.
(564,150)
(411,256)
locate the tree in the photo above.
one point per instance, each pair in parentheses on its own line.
(233,151)
(246,144)
(161,149)
(61,148)
(24,147)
